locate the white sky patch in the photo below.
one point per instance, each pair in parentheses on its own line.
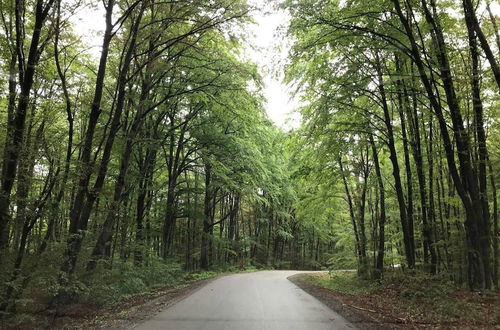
(89,23)
(269,50)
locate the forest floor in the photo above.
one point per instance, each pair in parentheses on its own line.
(403,301)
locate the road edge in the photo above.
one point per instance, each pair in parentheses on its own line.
(132,316)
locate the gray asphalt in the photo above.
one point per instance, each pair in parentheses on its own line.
(249,301)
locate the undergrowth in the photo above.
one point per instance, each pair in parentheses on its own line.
(111,286)
(345,282)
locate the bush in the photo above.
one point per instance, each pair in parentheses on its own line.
(109,286)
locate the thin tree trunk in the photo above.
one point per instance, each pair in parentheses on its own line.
(70,118)
(473,22)
(496,229)
(406,154)
(207,217)
(351,210)
(381,230)
(494,23)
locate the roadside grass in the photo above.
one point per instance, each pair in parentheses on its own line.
(415,298)
(345,282)
(111,286)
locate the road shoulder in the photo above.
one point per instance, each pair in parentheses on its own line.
(132,313)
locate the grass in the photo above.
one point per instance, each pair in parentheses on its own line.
(433,299)
(112,286)
(345,282)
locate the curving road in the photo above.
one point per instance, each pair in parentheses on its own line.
(249,301)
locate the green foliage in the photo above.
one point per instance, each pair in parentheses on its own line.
(341,260)
(111,286)
(346,282)
(363,91)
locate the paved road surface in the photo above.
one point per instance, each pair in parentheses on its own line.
(249,301)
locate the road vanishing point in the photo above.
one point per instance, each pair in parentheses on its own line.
(248,301)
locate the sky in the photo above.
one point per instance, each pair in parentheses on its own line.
(268,48)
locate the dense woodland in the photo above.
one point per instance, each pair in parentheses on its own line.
(402,119)
(157,153)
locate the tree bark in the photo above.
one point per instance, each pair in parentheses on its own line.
(381,223)
(207,218)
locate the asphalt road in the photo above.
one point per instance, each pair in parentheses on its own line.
(249,301)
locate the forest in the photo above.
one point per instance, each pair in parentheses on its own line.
(153,156)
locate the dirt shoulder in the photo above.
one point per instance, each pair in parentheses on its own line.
(125,315)
(358,316)
(397,304)
(141,308)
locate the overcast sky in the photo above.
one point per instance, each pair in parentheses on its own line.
(269,49)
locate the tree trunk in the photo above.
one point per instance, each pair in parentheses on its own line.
(70,118)
(75,241)
(476,220)
(473,23)
(416,147)
(106,234)
(477,275)
(207,219)
(351,212)
(381,223)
